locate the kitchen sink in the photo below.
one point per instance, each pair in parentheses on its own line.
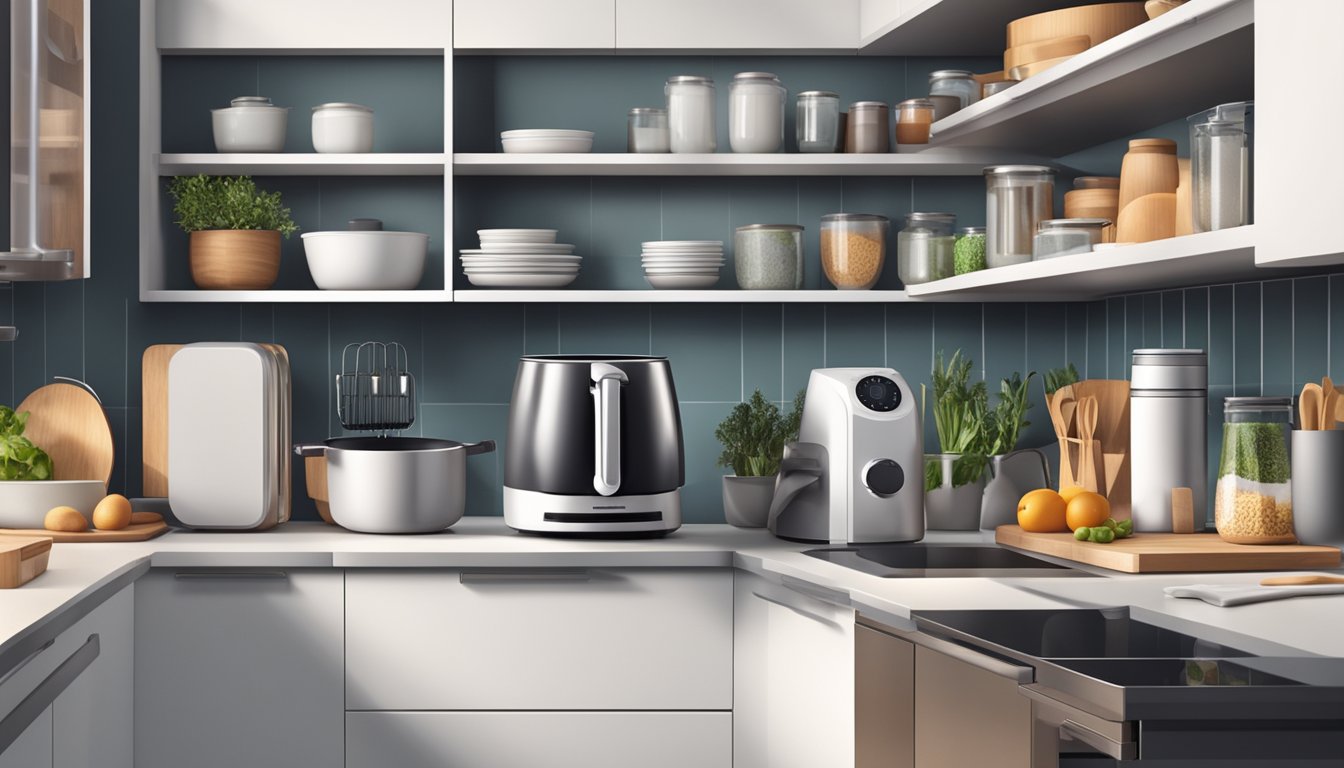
(927,560)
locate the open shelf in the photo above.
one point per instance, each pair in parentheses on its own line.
(1189,59)
(952,27)
(928,162)
(293,297)
(1210,257)
(304,164)
(565,296)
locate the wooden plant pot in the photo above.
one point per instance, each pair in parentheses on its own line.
(235,259)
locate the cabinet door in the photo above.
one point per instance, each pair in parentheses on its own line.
(94,717)
(793,678)
(304,24)
(966,716)
(884,700)
(239,669)
(32,749)
(538,24)
(766,25)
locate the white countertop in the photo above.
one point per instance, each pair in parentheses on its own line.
(1311,625)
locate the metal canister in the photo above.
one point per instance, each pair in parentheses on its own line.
(1018,198)
(1168,434)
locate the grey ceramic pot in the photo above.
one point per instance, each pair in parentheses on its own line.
(1318,486)
(949,508)
(746,500)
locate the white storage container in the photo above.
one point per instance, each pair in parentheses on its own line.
(690,113)
(249,124)
(341,127)
(756,112)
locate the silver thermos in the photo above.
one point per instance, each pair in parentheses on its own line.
(1168,434)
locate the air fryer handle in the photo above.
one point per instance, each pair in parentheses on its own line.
(797,472)
(606,391)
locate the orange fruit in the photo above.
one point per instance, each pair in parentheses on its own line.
(1042,511)
(1069,491)
(1087,510)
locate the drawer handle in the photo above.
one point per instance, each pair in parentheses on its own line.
(521,577)
(1080,733)
(797,609)
(1018,674)
(35,703)
(230,575)
(825,595)
(26,661)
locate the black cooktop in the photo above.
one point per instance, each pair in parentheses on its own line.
(939,561)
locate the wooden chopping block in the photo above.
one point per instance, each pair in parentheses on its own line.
(22,559)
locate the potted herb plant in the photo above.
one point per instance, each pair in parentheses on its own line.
(753,438)
(235,230)
(954,479)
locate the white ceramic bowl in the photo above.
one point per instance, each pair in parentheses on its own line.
(546,133)
(252,124)
(366,261)
(539,145)
(342,127)
(25,503)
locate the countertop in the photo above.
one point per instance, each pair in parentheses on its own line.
(79,574)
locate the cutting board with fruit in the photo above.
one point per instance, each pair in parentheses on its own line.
(112,520)
(1170,552)
(132,532)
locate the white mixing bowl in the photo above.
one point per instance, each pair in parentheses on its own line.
(366,261)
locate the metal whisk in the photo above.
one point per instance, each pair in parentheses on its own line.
(375,389)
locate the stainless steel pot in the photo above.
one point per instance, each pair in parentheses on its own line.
(396,484)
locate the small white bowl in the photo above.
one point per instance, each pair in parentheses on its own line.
(366,261)
(25,503)
(342,127)
(545,145)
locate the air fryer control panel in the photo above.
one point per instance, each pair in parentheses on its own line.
(878,393)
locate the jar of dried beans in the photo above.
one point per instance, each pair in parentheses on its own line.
(853,248)
(1253,501)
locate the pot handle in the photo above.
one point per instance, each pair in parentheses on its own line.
(308,450)
(485,446)
(606,391)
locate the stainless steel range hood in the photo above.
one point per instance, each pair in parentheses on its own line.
(49,141)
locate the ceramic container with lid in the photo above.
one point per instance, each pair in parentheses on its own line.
(955,82)
(853,249)
(913,120)
(690,114)
(818,121)
(769,257)
(1253,501)
(342,127)
(646,131)
(1018,199)
(249,124)
(1065,237)
(924,247)
(756,112)
(869,128)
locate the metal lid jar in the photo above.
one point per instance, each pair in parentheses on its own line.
(690,113)
(1018,198)
(914,118)
(646,130)
(1253,501)
(817,123)
(1065,237)
(968,252)
(249,124)
(853,249)
(756,112)
(768,257)
(924,247)
(869,128)
(342,127)
(955,82)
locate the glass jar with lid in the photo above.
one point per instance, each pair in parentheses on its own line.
(913,120)
(818,121)
(869,128)
(955,82)
(769,257)
(1220,166)
(755,112)
(924,247)
(690,113)
(1018,198)
(1253,501)
(968,252)
(646,131)
(1065,237)
(853,249)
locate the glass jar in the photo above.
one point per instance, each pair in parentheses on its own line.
(1220,166)
(646,131)
(1018,198)
(869,128)
(1065,237)
(853,249)
(755,112)
(968,253)
(818,121)
(690,114)
(913,119)
(769,257)
(1253,502)
(924,247)
(955,82)
(944,105)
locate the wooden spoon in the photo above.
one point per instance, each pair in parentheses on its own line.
(1294,581)
(1309,406)
(1087,427)
(1328,395)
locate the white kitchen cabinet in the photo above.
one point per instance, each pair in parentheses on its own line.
(541,24)
(793,678)
(203,26)
(739,25)
(539,739)
(32,749)
(94,715)
(588,639)
(239,668)
(874,15)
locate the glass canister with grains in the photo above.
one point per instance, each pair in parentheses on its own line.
(853,249)
(1253,501)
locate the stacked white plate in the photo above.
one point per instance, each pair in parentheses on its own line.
(520,258)
(682,264)
(546,140)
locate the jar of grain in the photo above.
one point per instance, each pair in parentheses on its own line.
(853,248)
(769,257)
(913,120)
(869,128)
(924,247)
(1253,501)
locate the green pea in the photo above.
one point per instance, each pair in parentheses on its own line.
(1110,523)
(1082,533)
(1104,535)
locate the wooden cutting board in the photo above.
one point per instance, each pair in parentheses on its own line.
(140,532)
(69,424)
(22,560)
(1171,552)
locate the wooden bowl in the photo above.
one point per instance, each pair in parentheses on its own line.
(235,259)
(1045,49)
(1098,22)
(1148,167)
(1151,217)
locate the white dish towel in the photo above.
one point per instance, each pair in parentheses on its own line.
(1241,594)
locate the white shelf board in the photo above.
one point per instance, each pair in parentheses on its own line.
(293,297)
(565,296)
(1202,259)
(1192,58)
(953,27)
(304,164)
(928,162)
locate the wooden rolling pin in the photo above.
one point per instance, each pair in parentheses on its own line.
(1297,581)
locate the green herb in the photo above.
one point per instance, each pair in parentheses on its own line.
(1059,378)
(1009,416)
(19,458)
(227,202)
(959,410)
(754,434)
(1255,451)
(969,254)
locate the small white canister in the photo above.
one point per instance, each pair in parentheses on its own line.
(342,127)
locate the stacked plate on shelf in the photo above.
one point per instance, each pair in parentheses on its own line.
(683,264)
(534,140)
(520,258)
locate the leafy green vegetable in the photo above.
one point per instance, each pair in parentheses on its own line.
(227,202)
(959,411)
(19,458)
(1059,378)
(754,434)
(1009,416)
